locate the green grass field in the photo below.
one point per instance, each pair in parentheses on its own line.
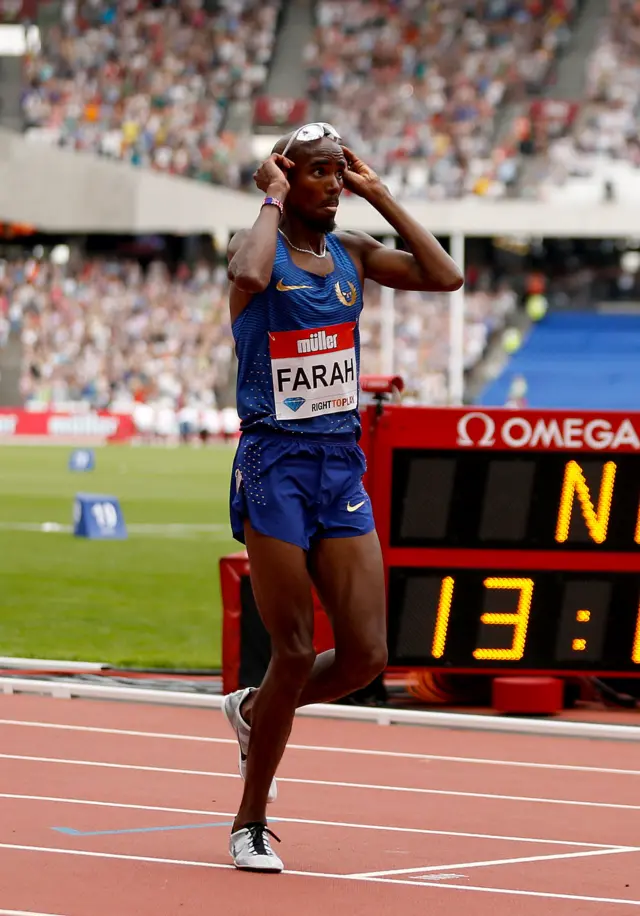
(152,600)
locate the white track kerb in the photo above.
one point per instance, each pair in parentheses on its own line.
(66,689)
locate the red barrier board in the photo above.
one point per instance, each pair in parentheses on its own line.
(101,425)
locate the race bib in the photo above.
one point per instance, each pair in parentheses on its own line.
(314,371)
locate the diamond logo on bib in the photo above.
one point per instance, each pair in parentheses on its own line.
(314,371)
(293,403)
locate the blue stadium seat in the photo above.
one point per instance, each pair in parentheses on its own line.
(576,360)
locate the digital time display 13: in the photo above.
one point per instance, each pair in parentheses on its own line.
(466,618)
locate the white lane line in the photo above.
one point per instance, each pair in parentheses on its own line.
(307,874)
(399,755)
(129,858)
(445,877)
(25,913)
(299,820)
(326,782)
(510,892)
(171,530)
(59,665)
(491,862)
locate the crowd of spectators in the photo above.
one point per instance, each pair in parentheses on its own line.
(418,86)
(604,138)
(150,81)
(112,335)
(421,335)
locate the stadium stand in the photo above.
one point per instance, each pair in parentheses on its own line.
(597,154)
(421,350)
(419,87)
(576,360)
(109,334)
(150,82)
(425,90)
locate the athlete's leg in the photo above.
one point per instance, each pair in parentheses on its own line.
(282,590)
(346,566)
(349,578)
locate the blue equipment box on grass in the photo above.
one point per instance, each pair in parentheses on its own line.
(98,516)
(82,459)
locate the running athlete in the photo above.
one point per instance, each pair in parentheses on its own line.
(297,499)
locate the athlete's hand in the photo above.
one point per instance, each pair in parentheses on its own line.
(359,178)
(271,177)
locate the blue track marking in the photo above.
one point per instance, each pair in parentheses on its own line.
(69,831)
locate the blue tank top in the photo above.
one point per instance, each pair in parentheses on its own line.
(298,349)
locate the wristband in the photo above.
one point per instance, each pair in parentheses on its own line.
(273,201)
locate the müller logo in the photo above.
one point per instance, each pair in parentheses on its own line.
(319,340)
(479,429)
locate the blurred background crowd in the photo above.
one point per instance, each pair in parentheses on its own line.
(446,99)
(112,334)
(150,83)
(427,89)
(421,85)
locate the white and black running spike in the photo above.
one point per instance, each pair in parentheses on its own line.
(251,850)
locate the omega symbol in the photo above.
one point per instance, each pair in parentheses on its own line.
(488,437)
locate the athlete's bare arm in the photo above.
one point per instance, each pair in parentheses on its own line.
(427,266)
(251,252)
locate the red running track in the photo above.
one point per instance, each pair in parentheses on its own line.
(118,808)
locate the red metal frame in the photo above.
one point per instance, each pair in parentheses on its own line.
(232,569)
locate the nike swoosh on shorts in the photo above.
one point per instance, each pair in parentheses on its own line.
(351,508)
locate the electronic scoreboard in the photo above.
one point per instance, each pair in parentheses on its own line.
(511,539)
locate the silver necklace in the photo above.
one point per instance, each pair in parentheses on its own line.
(307,250)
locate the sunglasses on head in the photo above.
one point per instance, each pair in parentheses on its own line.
(312,132)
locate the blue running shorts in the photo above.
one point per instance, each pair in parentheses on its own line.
(299,489)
